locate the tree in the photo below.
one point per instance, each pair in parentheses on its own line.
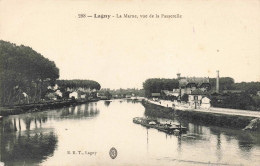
(108,95)
(78,84)
(185,97)
(225,83)
(247,87)
(156,85)
(23,70)
(82,86)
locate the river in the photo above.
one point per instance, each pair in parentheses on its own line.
(84,134)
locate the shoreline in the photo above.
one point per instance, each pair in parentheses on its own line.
(207,118)
(37,107)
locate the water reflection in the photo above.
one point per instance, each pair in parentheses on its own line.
(196,131)
(45,137)
(107,103)
(25,148)
(77,112)
(219,140)
(132,101)
(246,139)
(25,142)
(33,121)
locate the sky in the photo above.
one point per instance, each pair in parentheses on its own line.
(124,52)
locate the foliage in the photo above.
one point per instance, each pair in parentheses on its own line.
(248,87)
(257,101)
(185,97)
(23,70)
(225,83)
(235,101)
(155,85)
(108,94)
(123,92)
(76,84)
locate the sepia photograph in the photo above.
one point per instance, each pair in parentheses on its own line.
(129,83)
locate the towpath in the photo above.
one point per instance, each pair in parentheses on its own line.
(226,111)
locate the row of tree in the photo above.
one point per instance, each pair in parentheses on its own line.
(76,84)
(24,72)
(225,83)
(247,87)
(236,101)
(123,92)
(25,75)
(155,85)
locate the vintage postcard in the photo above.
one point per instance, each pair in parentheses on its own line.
(129,82)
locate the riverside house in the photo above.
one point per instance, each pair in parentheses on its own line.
(199,99)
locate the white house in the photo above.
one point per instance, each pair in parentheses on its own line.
(205,103)
(198,99)
(58,92)
(83,96)
(53,87)
(74,94)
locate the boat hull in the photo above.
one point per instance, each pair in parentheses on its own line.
(161,127)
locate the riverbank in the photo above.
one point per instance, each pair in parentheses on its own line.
(207,118)
(35,107)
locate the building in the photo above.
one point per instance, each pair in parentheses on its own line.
(199,99)
(195,83)
(156,96)
(128,95)
(205,103)
(189,84)
(176,92)
(102,96)
(74,94)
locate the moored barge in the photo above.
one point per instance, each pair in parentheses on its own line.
(170,128)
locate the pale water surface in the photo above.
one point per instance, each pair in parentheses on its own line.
(51,137)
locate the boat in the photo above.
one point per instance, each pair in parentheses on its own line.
(164,127)
(146,122)
(137,120)
(177,132)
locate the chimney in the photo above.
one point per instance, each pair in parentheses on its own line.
(217,82)
(178,75)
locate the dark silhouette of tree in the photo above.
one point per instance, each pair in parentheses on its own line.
(76,84)
(155,85)
(123,92)
(225,83)
(185,97)
(24,70)
(108,94)
(247,87)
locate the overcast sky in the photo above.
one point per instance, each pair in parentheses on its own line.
(122,53)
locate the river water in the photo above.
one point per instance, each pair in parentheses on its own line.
(84,134)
